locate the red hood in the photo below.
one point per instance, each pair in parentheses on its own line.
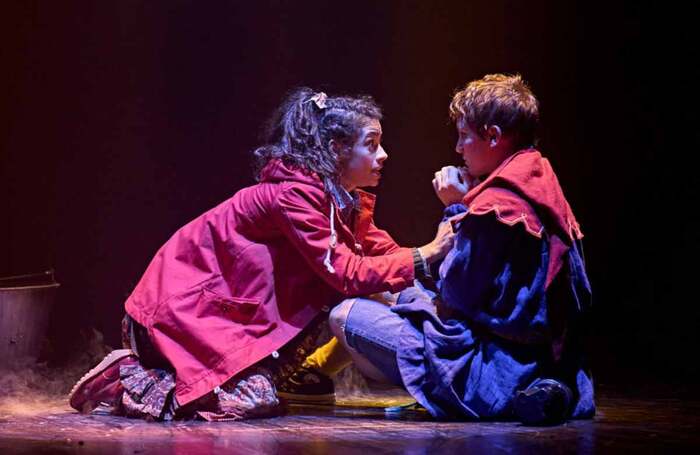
(529,176)
(277,171)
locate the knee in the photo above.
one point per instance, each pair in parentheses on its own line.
(338,316)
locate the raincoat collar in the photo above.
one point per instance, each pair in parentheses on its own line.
(530,176)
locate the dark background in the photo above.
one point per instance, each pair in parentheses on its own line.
(121,121)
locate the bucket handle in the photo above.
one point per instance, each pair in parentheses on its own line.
(47,273)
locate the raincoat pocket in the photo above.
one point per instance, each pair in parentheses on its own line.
(237,309)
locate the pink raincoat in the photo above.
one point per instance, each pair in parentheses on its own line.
(238,282)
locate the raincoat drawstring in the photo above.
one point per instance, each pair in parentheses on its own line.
(332,243)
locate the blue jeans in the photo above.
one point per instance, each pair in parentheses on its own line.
(372,329)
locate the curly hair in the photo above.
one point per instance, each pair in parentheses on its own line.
(300,131)
(499,99)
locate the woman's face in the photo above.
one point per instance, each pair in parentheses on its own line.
(364,164)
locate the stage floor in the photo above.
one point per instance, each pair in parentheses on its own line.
(358,425)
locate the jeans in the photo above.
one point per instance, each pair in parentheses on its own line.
(373,330)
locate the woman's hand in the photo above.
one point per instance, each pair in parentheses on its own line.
(441,244)
(451,184)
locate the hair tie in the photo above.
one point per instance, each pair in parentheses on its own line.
(319,100)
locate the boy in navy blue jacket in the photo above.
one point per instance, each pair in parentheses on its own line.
(502,338)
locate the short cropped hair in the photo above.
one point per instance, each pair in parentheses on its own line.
(499,99)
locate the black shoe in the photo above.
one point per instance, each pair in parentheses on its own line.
(546,402)
(307,386)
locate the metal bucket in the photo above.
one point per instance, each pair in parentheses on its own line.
(25,305)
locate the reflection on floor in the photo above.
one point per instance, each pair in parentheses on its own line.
(355,425)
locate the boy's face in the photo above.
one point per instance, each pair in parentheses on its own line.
(475,150)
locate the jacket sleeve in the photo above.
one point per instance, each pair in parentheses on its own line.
(378,242)
(303,217)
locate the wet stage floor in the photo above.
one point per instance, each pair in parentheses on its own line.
(360,425)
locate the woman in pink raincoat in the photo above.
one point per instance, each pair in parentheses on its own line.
(230,304)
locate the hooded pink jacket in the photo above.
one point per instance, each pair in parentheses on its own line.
(238,282)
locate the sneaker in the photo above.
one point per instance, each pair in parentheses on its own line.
(307,386)
(101,384)
(545,402)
